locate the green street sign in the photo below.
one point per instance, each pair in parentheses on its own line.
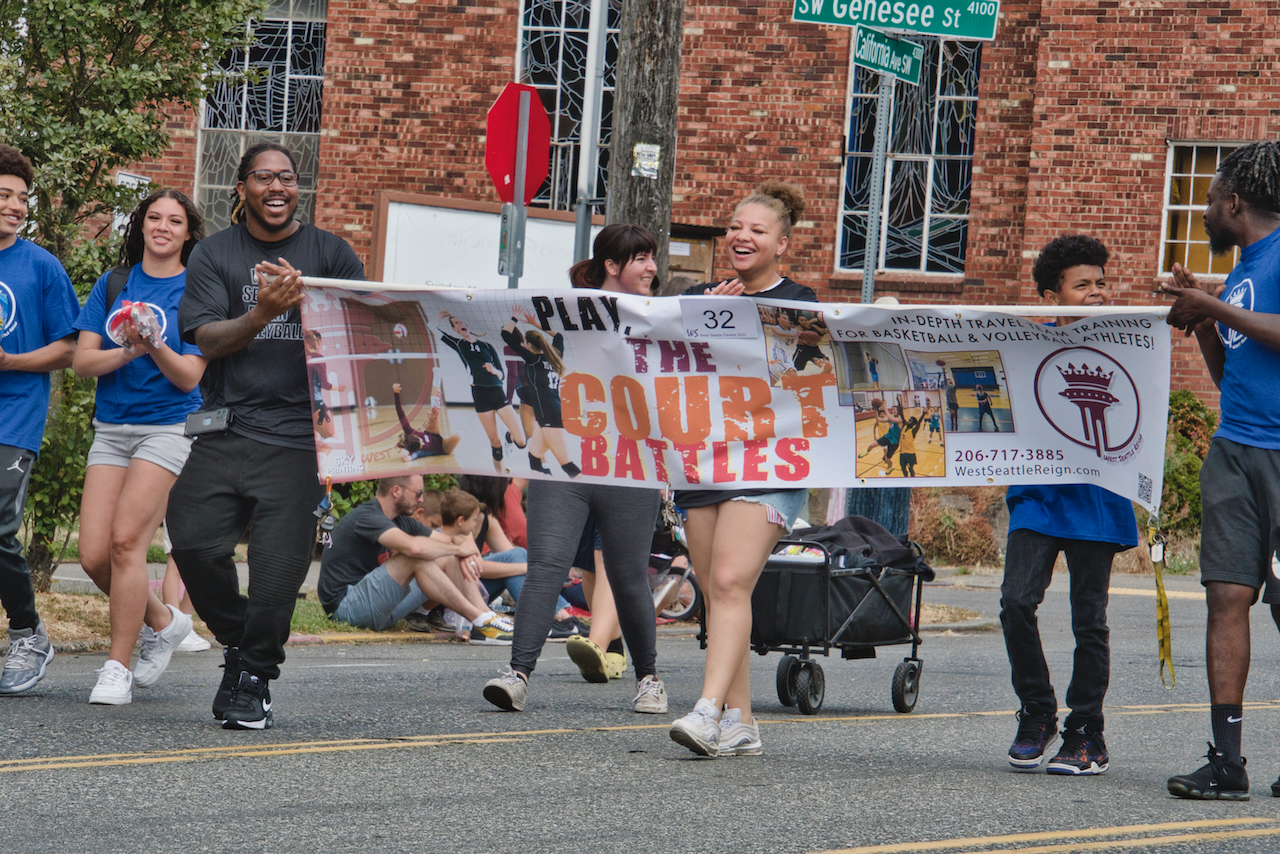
(874,50)
(952,19)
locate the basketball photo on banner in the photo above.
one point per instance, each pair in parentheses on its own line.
(796,342)
(900,434)
(866,365)
(974,388)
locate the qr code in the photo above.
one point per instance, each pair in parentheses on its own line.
(1144,488)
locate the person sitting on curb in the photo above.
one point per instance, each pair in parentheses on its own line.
(380,563)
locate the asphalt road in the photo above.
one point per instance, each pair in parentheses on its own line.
(390,747)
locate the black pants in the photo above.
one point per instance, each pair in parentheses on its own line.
(16,594)
(558,512)
(231,483)
(1028,570)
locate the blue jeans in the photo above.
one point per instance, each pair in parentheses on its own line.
(512,583)
(1028,570)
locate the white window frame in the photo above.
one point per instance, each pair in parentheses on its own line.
(1190,208)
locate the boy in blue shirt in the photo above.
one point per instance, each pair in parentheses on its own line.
(1090,525)
(37,309)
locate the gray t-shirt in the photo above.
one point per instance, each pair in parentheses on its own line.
(265,383)
(354,551)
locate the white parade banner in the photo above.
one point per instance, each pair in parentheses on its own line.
(731,392)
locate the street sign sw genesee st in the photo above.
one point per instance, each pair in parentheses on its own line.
(953,19)
(874,50)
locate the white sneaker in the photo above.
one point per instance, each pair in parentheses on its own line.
(193,643)
(699,730)
(737,738)
(158,647)
(115,685)
(651,696)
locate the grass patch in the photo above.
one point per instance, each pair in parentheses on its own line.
(309,618)
(932,615)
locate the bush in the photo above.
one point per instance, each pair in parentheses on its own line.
(357,492)
(1191,428)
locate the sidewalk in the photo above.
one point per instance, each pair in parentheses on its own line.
(70,578)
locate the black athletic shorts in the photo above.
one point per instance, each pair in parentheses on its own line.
(1240,521)
(488,398)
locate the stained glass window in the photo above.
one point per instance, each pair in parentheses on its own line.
(1190,169)
(553,58)
(929,169)
(271,92)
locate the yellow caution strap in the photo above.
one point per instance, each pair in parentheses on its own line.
(1164,631)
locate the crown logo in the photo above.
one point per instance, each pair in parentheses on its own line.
(1087,389)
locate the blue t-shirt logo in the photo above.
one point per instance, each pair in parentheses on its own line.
(1241,296)
(8,311)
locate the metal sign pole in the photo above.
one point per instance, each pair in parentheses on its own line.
(884,106)
(514,234)
(589,129)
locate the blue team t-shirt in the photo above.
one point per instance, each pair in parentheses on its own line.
(138,393)
(1251,374)
(1079,511)
(37,307)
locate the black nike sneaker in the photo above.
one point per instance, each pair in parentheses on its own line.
(250,704)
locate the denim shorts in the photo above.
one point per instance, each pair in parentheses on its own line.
(378,602)
(782,506)
(119,444)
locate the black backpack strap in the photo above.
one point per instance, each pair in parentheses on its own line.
(116,280)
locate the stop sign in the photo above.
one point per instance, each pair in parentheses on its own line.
(501,131)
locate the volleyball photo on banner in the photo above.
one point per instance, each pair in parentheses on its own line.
(974,387)
(377,363)
(796,341)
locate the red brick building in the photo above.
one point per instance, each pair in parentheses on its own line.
(1104,117)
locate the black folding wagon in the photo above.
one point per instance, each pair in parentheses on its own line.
(852,587)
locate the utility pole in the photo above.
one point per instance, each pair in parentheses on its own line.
(642,156)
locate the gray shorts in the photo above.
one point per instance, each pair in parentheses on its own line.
(378,602)
(120,444)
(1240,528)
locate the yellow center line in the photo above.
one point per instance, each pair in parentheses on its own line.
(199,754)
(1132,831)
(1172,594)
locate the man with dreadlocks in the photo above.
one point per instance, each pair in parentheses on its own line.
(241,308)
(1237,325)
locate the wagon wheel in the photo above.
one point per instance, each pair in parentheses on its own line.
(906,685)
(788,671)
(811,686)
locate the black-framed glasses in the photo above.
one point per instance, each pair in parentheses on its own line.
(265,177)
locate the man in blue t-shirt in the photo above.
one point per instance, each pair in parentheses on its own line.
(37,309)
(1089,525)
(1237,325)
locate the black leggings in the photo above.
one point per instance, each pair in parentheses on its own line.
(558,512)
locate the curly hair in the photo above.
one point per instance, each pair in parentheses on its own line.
(132,250)
(1061,254)
(14,162)
(785,200)
(1252,172)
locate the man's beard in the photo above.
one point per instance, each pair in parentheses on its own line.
(1219,244)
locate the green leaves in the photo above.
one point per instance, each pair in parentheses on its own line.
(86,87)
